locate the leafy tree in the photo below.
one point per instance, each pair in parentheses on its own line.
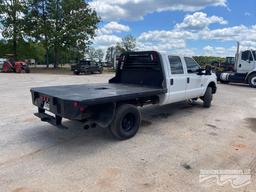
(99,54)
(37,22)
(204,60)
(128,44)
(25,50)
(11,20)
(110,54)
(95,54)
(63,25)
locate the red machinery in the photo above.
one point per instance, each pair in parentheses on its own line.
(15,66)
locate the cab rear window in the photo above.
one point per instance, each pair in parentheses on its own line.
(144,59)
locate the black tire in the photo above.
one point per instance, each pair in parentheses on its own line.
(27,70)
(224,82)
(252,80)
(76,72)
(126,122)
(207,98)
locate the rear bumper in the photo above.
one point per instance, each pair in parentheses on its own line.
(60,108)
(55,121)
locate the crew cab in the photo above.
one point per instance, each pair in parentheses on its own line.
(141,78)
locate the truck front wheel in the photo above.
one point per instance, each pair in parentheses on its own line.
(207,98)
(252,80)
(126,122)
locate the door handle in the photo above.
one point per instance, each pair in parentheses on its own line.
(171,81)
(188,80)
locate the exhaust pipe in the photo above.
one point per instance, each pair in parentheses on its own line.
(237,55)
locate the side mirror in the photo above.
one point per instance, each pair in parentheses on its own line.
(190,71)
(208,70)
(200,71)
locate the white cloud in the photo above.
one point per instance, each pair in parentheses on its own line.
(247,14)
(219,51)
(106,37)
(199,21)
(105,41)
(137,9)
(113,27)
(236,33)
(175,40)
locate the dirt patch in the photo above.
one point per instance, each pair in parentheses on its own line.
(239,146)
(251,122)
(145,123)
(108,178)
(23,189)
(31,119)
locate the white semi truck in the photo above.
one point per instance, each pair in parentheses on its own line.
(245,69)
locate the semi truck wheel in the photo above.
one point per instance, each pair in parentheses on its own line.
(207,98)
(126,122)
(252,80)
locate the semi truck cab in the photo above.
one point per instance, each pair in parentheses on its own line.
(245,69)
(246,61)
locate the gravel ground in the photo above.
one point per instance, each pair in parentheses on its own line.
(174,143)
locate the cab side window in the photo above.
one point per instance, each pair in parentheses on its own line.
(192,66)
(176,65)
(247,55)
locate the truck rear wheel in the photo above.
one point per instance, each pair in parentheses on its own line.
(207,98)
(126,122)
(252,80)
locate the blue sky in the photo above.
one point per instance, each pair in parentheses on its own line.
(195,27)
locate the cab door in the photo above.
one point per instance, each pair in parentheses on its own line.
(246,62)
(194,86)
(177,79)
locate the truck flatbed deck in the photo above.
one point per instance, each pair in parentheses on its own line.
(98,93)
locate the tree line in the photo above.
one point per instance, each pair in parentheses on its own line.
(56,29)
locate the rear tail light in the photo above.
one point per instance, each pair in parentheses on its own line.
(82,109)
(76,104)
(44,98)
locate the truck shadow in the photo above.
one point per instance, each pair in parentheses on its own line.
(76,140)
(150,116)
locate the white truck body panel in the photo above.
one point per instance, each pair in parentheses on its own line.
(183,86)
(246,65)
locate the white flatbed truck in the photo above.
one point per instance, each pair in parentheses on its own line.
(141,78)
